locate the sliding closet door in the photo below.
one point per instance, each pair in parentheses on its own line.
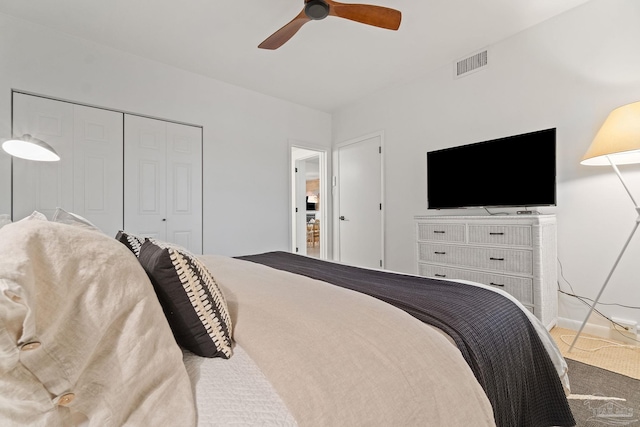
(98,167)
(163,181)
(43,186)
(88,178)
(144,176)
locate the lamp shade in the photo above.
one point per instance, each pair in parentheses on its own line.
(30,148)
(618,140)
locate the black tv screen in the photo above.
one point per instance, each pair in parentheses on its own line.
(514,171)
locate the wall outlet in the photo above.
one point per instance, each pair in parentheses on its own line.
(628,328)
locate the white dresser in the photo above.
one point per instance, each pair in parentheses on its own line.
(514,253)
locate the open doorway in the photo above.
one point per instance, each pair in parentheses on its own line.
(309,202)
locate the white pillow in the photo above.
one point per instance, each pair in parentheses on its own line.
(83,332)
(35,215)
(5,219)
(70,218)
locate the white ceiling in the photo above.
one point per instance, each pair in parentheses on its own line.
(327,64)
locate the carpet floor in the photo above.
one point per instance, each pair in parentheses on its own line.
(603,398)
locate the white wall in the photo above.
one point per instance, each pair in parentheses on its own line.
(246,134)
(568,73)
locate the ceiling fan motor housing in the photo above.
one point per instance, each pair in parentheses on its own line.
(316,9)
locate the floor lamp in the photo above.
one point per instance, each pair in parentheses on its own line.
(616,143)
(30,148)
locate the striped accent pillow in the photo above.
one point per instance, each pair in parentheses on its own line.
(191,299)
(131,241)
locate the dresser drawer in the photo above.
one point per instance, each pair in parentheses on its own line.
(453,233)
(520,287)
(494,259)
(512,235)
(515,253)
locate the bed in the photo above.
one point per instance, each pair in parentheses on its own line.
(104,331)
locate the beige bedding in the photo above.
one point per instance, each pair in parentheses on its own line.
(82,335)
(341,358)
(83,339)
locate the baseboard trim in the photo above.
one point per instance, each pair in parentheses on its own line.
(591,329)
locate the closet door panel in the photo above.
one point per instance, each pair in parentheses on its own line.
(43,186)
(145,177)
(98,167)
(184,186)
(88,178)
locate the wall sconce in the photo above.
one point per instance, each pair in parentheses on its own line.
(30,148)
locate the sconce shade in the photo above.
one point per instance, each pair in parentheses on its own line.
(30,148)
(618,139)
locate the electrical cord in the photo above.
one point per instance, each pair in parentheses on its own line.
(585,300)
(573,294)
(495,213)
(611,344)
(603,303)
(507,213)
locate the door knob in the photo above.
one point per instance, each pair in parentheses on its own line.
(164,219)
(342,218)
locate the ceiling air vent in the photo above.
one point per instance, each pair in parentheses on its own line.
(471,64)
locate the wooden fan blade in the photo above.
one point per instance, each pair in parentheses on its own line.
(281,36)
(377,16)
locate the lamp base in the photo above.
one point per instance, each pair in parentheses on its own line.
(624,248)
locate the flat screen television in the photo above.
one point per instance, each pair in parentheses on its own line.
(515,171)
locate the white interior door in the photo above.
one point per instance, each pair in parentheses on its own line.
(184,186)
(98,167)
(145,177)
(163,181)
(43,186)
(88,178)
(360,224)
(300,207)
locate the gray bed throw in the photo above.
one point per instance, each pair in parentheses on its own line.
(493,334)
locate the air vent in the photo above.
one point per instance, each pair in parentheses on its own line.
(471,64)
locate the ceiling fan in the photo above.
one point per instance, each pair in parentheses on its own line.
(377,16)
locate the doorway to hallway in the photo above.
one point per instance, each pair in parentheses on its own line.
(309,202)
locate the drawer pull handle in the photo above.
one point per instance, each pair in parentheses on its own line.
(496,259)
(440,253)
(496,234)
(440,275)
(496,284)
(438,232)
